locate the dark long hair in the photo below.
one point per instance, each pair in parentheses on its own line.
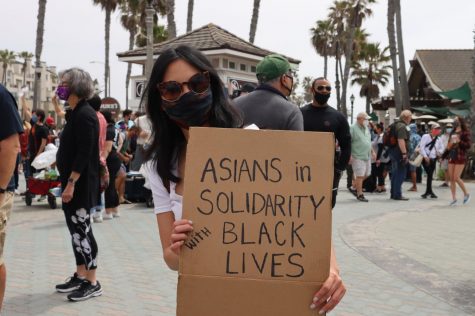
(168,140)
(462,123)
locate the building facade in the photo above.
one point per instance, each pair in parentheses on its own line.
(234,58)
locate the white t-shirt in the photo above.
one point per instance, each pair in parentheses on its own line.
(164,201)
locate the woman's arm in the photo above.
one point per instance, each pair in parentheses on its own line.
(172,236)
(57,108)
(332,291)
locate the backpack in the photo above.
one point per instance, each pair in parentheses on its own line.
(390,136)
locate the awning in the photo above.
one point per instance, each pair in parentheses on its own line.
(463,93)
(463,110)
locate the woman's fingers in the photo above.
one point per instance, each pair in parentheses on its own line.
(182,222)
(334,300)
(178,237)
(329,295)
(182,229)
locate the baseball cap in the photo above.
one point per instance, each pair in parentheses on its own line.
(436,125)
(272,66)
(49,120)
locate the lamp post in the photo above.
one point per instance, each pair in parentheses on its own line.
(149,12)
(352,100)
(108,88)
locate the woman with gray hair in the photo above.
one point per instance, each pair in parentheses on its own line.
(78,164)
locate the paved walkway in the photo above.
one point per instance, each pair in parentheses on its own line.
(397,258)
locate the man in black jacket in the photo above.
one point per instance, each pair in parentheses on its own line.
(78,165)
(318,116)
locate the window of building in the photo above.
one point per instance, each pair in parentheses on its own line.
(215,62)
(243,67)
(225,63)
(232,65)
(253,69)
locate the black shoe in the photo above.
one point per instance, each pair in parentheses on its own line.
(353,191)
(71,284)
(401,198)
(433,196)
(87,290)
(444,185)
(425,195)
(361,198)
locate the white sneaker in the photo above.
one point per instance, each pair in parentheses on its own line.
(116,214)
(107,216)
(97,217)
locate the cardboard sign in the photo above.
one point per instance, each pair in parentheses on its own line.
(260,202)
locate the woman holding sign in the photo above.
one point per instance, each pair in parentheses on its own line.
(185,90)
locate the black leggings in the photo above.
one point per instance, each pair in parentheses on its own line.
(110,195)
(429,169)
(83,241)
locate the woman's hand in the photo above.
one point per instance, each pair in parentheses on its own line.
(180,231)
(68,193)
(330,294)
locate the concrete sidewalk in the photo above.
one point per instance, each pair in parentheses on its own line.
(396,258)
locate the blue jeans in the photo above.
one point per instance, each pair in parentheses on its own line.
(398,173)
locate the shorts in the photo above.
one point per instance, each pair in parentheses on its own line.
(5,211)
(361,168)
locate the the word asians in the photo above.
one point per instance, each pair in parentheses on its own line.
(258,204)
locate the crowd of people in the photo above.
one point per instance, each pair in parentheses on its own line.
(416,147)
(95,152)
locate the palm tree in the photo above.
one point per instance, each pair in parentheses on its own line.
(6,58)
(307,89)
(255,17)
(358,10)
(130,20)
(189,18)
(322,36)
(26,56)
(406,102)
(393,52)
(108,6)
(371,71)
(160,33)
(40,29)
(171,26)
(473,88)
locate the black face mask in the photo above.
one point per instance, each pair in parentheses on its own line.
(291,86)
(321,98)
(191,109)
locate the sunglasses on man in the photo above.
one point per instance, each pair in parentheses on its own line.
(171,91)
(322,88)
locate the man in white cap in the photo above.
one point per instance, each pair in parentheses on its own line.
(431,148)
(361,153)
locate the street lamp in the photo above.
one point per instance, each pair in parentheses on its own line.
(107,88)
(352,100)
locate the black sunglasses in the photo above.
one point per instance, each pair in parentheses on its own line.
(172,90)
(321,88)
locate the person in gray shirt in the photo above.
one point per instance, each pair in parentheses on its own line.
(268,106)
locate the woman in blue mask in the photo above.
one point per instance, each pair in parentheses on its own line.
(184,90)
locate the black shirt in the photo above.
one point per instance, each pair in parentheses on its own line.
(327,119)
(38,133)
(79,151)
(10,121)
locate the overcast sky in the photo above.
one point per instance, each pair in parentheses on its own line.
(74,30)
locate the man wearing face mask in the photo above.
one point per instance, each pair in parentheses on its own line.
(431,148)
(361,153)
(267,106)
(318,116)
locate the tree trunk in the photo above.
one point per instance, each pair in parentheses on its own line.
(4,77)
(368,104)
(129,69)
(325,67)
(255,17)
(406,102)
(189,19)
(171,26)
(106,60)
(337,80)
(24,73)
(393,53)
(40,29)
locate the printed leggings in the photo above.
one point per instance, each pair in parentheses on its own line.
(83,241)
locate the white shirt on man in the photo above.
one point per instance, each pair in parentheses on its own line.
(425,147)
